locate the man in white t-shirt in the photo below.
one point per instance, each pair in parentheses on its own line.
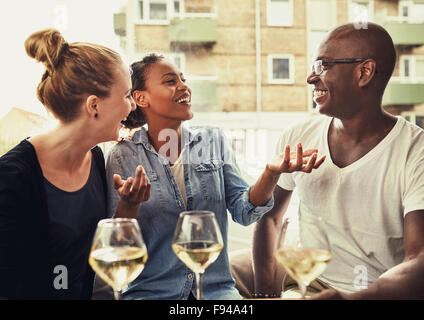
(369,190)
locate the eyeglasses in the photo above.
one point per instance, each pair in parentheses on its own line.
(318,65)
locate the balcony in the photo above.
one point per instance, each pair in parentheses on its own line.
(203,94)
(406,34)
(403,94)
(193,31)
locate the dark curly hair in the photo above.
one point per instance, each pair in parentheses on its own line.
(136,118)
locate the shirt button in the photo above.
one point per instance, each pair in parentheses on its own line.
(179,203)
(190,276)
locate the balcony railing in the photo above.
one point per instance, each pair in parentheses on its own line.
(193,30)
(405,33)
(398,93)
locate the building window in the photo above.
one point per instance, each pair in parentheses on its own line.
(419,121)
(405,11)
(280,12)
(406,67)
(361,11)
(281,69)
(414,117)
(412,11)
(177,7)
(412,68)
(159,11)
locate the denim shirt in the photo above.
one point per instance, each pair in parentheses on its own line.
(212,181)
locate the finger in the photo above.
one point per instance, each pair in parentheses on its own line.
(143,186)
(127,186)
(145,190)
(117,181)
(310,165)
(319,162)
(309,152)
(137,179)
(287,154)
(299,157)
(286,160)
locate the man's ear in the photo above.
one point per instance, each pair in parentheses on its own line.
(91,106)
(366,72)
(141,98)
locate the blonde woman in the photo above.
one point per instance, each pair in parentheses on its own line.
(53,186)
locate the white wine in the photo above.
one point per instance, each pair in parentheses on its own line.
(304,264)
(197,255)
(118,266)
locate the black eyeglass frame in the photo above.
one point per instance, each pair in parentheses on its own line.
(327,62)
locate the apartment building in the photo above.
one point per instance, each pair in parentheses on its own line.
(247,60)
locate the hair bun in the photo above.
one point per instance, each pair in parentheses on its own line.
(46,46)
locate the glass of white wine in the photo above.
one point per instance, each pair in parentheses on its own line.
(197,243)
(118,253)
(304,254)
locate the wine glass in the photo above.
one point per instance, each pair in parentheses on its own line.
(304,252)
(118,252)
(197,242)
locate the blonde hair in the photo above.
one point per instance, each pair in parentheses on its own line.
(73,71)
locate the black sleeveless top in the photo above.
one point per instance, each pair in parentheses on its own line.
(73,219)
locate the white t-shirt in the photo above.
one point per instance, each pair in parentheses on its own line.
(177,170)
(363,204)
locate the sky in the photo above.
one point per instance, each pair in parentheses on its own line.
(78,20)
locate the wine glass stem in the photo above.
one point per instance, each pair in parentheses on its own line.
(302,290)
(117,294)
(199,285)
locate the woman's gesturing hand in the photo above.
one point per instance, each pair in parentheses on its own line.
(133,191)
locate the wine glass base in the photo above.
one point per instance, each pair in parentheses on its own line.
(117,295)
